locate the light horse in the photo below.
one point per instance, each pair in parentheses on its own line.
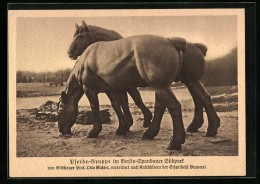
(132,62)
(100,34)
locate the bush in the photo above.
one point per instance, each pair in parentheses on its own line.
(221,71)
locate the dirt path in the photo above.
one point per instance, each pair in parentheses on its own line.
(37,138)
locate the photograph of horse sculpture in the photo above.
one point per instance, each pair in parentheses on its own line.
(153,92)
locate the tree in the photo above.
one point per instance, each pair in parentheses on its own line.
(29,79)
(19,77)
(24,79)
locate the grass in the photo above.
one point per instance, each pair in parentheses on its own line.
(37,89)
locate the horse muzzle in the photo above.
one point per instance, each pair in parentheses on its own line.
(72,56)
(65,130)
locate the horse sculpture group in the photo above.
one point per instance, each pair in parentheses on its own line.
(116,65)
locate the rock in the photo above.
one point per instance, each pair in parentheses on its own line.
(87,118)
(46,110)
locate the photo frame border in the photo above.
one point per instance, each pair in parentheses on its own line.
(251,80)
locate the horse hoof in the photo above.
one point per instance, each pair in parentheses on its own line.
(173,146)
(146,124)
(211,133)
(92,134)
(191,129)
(147,135)
(121,132)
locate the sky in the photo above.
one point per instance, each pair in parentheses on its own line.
(42,42)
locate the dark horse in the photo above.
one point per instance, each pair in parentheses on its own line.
(191,71)
(132,62)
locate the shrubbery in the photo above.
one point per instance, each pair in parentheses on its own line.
(221,71)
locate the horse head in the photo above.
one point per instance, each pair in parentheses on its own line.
(82,39)
(67,114)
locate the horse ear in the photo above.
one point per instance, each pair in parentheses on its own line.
(84,25)
(76,26)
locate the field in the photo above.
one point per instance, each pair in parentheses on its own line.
(37,89)
(38,138)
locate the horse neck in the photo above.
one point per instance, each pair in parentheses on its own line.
(73,90)
(99,34)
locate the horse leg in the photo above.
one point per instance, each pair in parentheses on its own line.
(154,128)
(198,120)
(115,101)
(94,104)
(124,104)
(203,96)
(134,93)
(174,108)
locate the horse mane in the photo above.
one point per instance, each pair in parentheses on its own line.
(110,34)
(72,77)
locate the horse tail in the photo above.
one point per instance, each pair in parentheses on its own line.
(181,46)
(203,48)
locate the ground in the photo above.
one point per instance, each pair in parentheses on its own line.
(38,138)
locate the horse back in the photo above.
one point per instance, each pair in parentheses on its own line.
(133,60)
